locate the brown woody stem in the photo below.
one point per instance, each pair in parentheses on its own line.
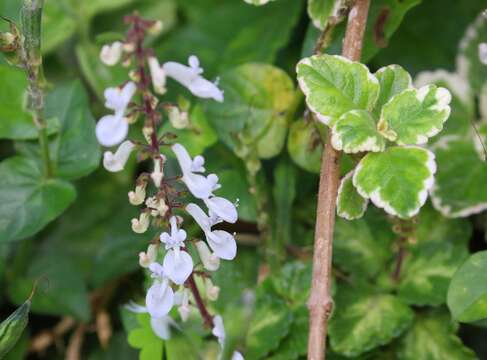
(320,302)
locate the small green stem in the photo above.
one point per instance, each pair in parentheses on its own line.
(31,16)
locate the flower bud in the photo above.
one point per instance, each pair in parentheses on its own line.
(137,197)
(141,224)
(158,76)
(212,291)
(178,119)
(111,54)
(156,28)
(147,131)
(134,75)
(128,47)
(158,172)
(148,257)
(210,261)
(8,41)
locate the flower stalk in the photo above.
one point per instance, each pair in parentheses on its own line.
(31,16)
(320,302)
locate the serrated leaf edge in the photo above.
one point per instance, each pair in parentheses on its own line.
(376,198)
(443,98)
(302,84)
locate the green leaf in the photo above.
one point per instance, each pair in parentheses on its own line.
(384,18)
(433,337)
(143,338)
(257,96)
(363,247)
(414,115)
(66,292)
(393,79)
(293,282)
(468,61)
(224,34)
(12,327)
(75,149)
(271,323)
(467,294)
(304,145)
(30,201)
(284,193)
(397,179)
(459,189)
(199,136)
(462,104)
(350,204)
(363,320)
(58,25)
(427,271)
(320,11)
(355,131)
(98,75)
(15,121)
(295,343)
(334,85)
(90,8)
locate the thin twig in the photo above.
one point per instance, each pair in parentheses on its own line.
(207,318)
(320,302)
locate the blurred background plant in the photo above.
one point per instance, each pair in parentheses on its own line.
(76,232)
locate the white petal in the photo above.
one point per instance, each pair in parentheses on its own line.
(183,157)
(118,99)
(127,92)
(222,243)
(199,216)
(111,130)
(200,186)
(222,208)
(158,75)
(160,326)
(483,53)
(194,63)
(135,308)
(178,267)
(218,329)
(237,356)
(205,89)
(116,162)
(210,261)
(159,299)
(181,73)
(157,270)
(110,54)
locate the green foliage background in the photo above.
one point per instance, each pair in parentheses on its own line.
(74,230)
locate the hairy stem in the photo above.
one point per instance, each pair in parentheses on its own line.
(320,302)
(31,15)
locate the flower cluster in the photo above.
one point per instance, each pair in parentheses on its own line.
(167,259)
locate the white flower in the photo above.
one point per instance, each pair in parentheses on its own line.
(116,162)
(110,54)
(160,325)
(199,185)
(210,261)
(178,264)
(113,129)
(219,332)
(147,258)
(190,77)
(220,241)
(158,76)
(483,53)
(222,208)
(160,297)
